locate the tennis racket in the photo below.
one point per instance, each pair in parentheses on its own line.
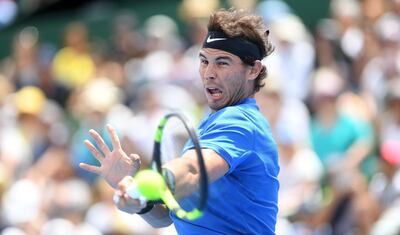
(173,131)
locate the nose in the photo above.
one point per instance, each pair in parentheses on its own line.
(209,72)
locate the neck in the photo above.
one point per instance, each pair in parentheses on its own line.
(238,97)
(232,103)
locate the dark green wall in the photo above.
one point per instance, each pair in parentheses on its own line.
(310,10)
(50,24)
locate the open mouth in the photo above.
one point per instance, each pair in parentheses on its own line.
(214,92)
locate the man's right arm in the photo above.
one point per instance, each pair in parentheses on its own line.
(186,174)
(157,215)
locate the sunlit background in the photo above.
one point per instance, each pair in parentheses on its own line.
(332,98)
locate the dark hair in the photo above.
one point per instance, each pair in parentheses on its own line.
(238,23)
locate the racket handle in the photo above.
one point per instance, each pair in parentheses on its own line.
(133,192)
(116,199)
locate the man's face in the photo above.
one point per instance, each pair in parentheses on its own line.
(226,79)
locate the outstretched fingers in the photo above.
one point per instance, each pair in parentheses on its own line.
(100,142)
(114,137)
(91,168)
(94,151)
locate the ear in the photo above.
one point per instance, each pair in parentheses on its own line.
(255,70)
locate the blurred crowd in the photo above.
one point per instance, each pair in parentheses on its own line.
(332,98)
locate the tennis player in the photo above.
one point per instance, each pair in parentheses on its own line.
(239,151)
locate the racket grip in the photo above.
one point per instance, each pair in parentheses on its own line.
(133,192)
(116,199)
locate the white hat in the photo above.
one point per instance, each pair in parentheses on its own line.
(18,207)
(12,231)
(327,82)
(289,28)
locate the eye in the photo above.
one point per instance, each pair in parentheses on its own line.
(203,62)
(222,63)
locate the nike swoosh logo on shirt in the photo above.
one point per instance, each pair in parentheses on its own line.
(209,39)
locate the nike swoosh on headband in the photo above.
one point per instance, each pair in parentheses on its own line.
(209,39)
(237,45)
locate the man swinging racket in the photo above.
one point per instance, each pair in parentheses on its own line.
(239,152)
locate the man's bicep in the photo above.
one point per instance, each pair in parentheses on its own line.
(215,164)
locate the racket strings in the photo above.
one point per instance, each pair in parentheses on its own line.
(173,141)
(173,134)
